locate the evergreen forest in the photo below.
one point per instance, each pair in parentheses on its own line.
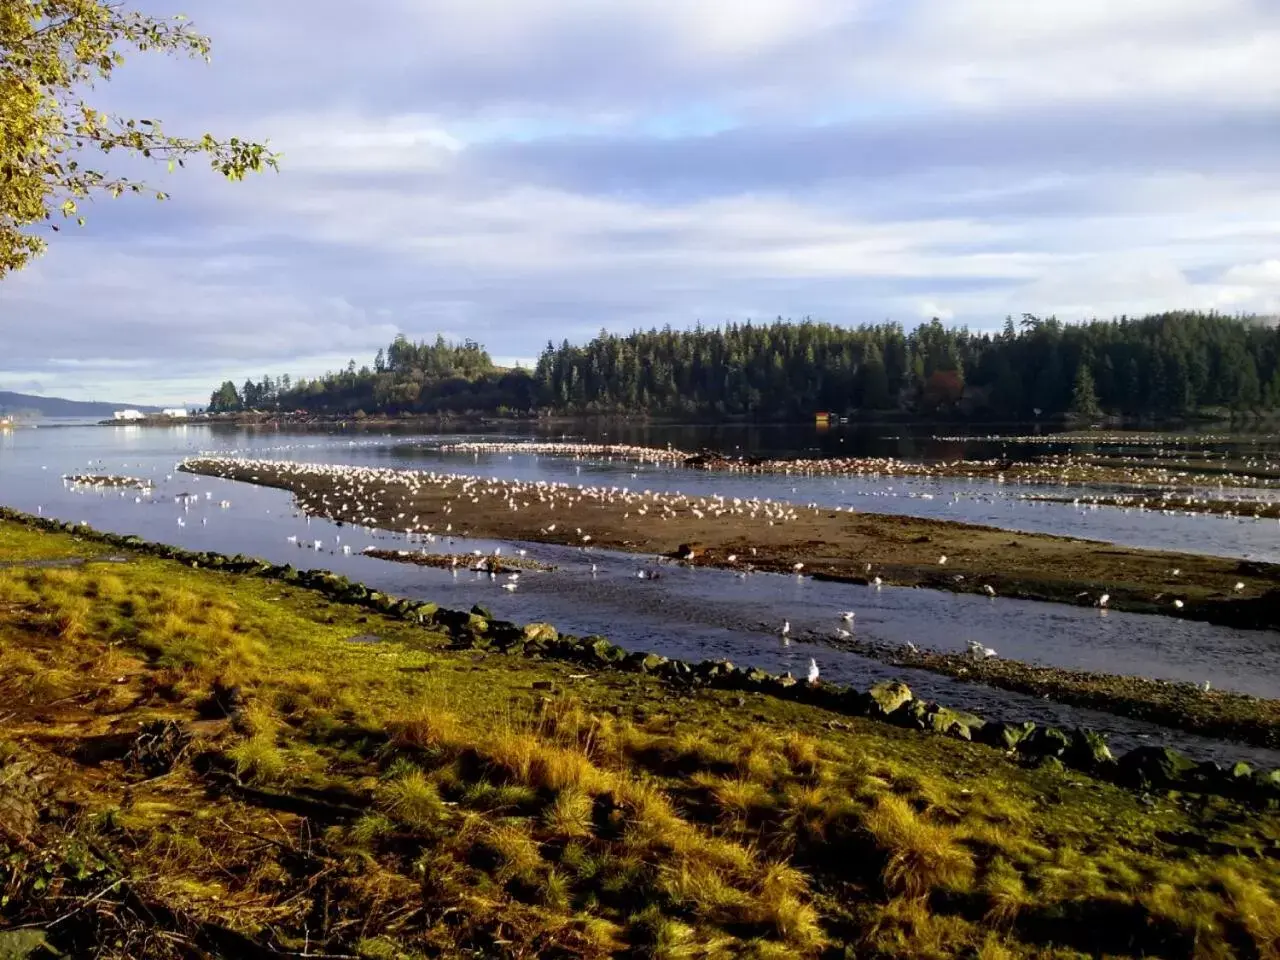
(1161,366)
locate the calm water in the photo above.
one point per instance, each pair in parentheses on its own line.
(688,613)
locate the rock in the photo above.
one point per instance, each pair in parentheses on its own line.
(602,651)
(887,696)
(1045,742)
(1267,785)
(1240,771)
(968,726)
(477,624)
(652,663)
(914,714)
(540,633)
(1158,767)
(1088,750)
(480,611)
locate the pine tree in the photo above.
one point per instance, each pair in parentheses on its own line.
(1084,401)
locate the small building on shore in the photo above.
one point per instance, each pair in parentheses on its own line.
(127,414)
(176,413)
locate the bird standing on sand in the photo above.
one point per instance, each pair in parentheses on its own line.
(813,670)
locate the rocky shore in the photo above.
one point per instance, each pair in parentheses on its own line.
(1221,714)
(1145,768)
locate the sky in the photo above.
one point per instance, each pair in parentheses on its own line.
(516,172)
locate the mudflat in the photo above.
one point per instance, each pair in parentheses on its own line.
(781,538)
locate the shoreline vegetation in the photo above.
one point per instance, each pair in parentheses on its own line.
(202,752)
(774,537)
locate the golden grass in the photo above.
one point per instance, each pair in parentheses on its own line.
(921,855)
(609,822)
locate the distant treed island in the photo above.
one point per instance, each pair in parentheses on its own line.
(1166,365)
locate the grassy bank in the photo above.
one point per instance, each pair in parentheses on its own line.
(775,537)
(200,761)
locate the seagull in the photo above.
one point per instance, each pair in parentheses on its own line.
(942,560)
(1239,586)
(786,628)
(1205,686)
(989,590)
(509,586)
(848,616)
(797,567)
(1104,600)
(813,670)
(1178,604)
(877,582)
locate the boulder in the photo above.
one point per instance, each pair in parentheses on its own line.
(957,723)
(540,633)
(1006,736)
(887,696)
(602,651)
(652,663)
(1154,767)
(914,714)
(1045,742)
(1266,786)
(1088,750)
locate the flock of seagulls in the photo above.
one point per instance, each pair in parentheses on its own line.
(394,498)
(369,497)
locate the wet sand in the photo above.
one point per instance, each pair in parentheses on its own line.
(827,544)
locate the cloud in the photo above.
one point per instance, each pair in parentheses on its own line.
(520,172)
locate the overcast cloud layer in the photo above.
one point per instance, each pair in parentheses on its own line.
(517,172)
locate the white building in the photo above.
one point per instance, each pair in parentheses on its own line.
(129,414)
(176,412)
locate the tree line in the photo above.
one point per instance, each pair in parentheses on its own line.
(1165,365)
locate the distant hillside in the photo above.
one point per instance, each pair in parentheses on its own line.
(12,403)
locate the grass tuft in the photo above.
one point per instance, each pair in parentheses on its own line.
(920,855)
